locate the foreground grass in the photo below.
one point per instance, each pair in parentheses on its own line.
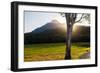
(53,51)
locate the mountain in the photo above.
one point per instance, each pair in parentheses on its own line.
(55,31)
(82,34)
(54,24)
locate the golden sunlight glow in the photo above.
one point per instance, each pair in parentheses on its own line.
(75,28)
(60,19)
(64,26)
(81,24)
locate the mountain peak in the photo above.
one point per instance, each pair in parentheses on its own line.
(54,21)
(53,25)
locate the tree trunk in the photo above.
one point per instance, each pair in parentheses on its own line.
(68,42)
(70,18)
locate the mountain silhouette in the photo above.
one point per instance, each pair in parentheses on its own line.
(55,31)
(54,24)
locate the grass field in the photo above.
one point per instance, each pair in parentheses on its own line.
(53,51)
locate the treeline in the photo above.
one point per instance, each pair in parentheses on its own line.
(57,36)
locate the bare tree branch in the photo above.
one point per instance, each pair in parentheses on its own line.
(79,19)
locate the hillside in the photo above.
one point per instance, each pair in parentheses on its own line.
(54,31)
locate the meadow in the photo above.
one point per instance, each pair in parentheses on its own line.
(53,51)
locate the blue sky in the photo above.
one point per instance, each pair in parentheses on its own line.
(33,20)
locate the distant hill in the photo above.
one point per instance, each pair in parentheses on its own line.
(54,24)
(54,31)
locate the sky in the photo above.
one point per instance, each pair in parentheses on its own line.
(33,20)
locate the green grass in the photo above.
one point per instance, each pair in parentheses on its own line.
(53,51)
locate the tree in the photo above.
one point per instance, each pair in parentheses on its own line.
(71,19)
